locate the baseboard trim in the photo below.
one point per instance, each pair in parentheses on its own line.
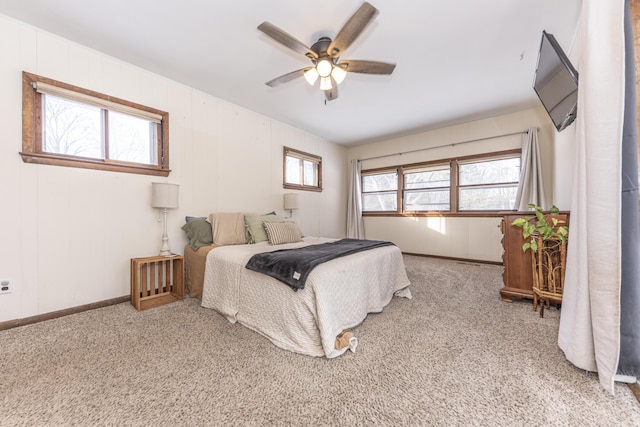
(79,309)
(635,389)
(477,261)
(61,313)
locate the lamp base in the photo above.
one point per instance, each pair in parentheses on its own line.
(164,249)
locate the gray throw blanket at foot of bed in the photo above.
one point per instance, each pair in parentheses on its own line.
(293,266)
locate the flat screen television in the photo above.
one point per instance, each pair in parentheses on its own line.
(556,82)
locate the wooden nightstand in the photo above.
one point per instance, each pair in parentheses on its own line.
(156,280)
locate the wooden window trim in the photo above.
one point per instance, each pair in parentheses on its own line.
(454,187)
(454,198)
(32,133)
(302,155)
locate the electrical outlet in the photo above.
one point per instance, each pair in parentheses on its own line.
(5,286)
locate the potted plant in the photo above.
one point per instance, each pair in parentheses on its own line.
(546,235)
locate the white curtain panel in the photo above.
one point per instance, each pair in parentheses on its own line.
(355,225)
(589,331)
(531,186)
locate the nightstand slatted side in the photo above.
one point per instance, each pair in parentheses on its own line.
(156,281)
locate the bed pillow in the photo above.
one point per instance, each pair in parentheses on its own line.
(255,230)
(228,228)
(282,232)
(297,227)
(198,232)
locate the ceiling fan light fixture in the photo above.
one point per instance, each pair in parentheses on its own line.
(338,74)
(325,83)
(311,75)
(325,54)
(324,67)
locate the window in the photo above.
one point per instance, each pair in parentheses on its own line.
(302,171)
(380,192)
(486,182)
(68,126)
(489,184)
(427,189)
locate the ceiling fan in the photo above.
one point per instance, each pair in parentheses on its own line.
(325,54)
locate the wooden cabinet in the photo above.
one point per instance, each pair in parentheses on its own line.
(518,274)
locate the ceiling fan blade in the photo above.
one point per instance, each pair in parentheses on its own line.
(366,67)
(352,29)
(286,39)
(286,77)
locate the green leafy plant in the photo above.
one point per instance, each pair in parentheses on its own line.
(546,226)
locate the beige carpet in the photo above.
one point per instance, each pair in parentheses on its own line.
(453,355)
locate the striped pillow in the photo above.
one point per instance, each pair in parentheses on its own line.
(282,232)
(297,227)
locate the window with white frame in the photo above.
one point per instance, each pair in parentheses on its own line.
(69,126)
(302,171)
(380,191)
(427,188)
(489,184)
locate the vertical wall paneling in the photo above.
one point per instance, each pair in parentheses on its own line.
(458,237)
(68,234)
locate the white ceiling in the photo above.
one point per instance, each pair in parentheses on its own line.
(456,60)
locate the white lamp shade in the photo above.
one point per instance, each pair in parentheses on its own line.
(164,195)
(291,201)
(338,74)
(311,75)
(325,83)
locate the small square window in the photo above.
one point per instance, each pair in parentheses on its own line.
(302,171)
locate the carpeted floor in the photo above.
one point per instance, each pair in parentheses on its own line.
(453,355)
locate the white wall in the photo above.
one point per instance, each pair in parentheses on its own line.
(67,234)
(458,237)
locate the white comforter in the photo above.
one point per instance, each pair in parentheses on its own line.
(338,294)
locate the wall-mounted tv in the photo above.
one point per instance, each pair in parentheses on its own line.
(556,82)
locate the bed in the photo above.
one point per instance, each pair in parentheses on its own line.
(337,296)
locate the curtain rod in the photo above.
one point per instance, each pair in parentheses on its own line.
(445,145)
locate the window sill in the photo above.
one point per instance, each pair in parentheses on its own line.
(469,214)
(46,159)
(301,188)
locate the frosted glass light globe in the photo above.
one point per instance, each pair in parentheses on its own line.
(324,67)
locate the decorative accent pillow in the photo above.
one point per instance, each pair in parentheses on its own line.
(228,228)
(297,227)
(282,232)
(255,230)
(198,232)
